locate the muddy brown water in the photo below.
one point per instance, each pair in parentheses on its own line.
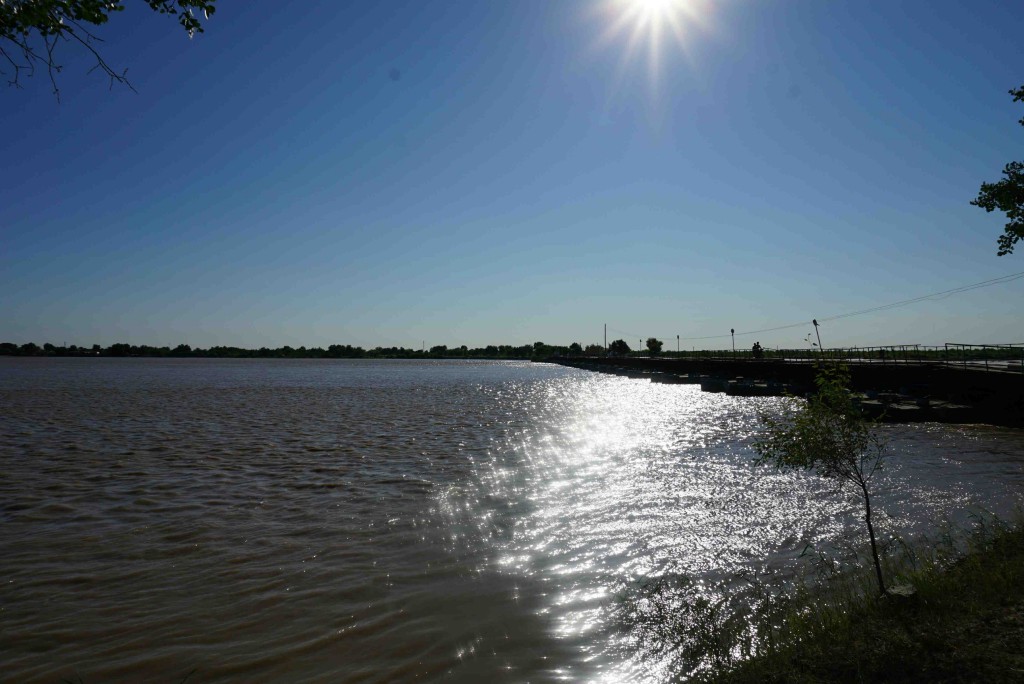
(380,521)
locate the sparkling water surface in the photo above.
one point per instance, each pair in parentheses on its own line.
(380,521)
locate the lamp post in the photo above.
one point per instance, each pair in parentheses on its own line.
(732,331)
(678,354)
(820,348)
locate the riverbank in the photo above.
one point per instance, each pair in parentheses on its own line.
(963,623)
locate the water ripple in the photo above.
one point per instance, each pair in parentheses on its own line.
(389,521)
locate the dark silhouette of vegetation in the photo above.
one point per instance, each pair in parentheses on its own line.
(1007,195)
(964,624)
(897,356)
(654,346)
(827,434)
(535,351)
(31,31)
(619,348)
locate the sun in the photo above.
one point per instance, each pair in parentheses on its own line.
(644,25)
(653,9)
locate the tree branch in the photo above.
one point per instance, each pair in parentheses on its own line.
(100,62)
(22,22)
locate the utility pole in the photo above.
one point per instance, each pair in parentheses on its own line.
(732,331)
(605,338)
(820,348)
(677,346)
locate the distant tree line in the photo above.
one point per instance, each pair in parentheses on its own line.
(537,350)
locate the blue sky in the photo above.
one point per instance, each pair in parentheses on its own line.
(505,172)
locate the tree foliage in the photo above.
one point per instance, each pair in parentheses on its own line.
(619,347)
(1007,195)
(654,346)
(828,435)
(31,31)
(334,351)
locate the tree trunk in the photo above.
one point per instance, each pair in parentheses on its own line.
(871,533)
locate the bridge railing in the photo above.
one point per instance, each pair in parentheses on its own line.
(887,354)
(991,357)
(1002,357)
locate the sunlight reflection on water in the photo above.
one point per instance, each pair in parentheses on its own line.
(624,481)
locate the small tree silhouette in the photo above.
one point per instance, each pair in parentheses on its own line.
(829,435)
(619,348)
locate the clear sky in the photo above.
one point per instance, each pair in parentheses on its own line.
(505,172)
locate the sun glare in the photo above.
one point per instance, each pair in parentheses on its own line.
(653,8)
(644,25)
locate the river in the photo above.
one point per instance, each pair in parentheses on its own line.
(381,521)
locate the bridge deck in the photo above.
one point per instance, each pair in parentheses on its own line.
(998,390)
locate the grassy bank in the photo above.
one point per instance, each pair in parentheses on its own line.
(964,622)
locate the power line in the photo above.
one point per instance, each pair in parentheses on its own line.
(1002,280)
(941,295)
